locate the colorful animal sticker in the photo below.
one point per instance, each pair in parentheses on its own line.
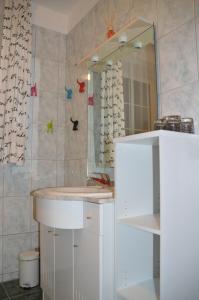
(82,86)
(34,90)
(69,93)
(91,100)
(75,124)
(50,127)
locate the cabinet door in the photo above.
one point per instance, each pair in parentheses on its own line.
(47,260)
(63,264)
(86,265)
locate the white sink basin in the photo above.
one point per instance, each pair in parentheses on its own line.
(63,207)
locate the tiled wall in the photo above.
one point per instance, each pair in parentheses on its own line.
(177,28)
(1,19)
(44,164)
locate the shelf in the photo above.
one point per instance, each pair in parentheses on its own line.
(150,223)
(147,290)
(133,29)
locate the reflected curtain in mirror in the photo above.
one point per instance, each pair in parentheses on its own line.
(15,66)
(112,112)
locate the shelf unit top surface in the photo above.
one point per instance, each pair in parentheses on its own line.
(147,290)
(150,223)
(152,137)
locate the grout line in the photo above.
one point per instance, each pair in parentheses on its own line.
(5,290)
(178,87)
(19,233)
(176,28)
(196,42)
(21,291)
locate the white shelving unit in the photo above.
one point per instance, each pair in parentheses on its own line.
(145,290)
(150,223)
(157,217)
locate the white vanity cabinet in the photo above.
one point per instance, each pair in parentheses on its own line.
(78,264)
(56,270)
(157,223)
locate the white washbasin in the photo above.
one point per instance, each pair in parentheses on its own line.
(63,207)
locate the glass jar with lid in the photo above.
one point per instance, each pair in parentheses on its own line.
(159,124)
(173,122)
(187,125)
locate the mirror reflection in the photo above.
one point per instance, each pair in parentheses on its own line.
(122,97)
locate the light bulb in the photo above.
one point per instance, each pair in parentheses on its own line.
(123,38)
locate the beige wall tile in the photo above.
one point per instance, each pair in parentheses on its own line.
(172,14)
(44,143)
(13,245)
(183,101)
(43,174)
(16,215)
(17,180)
(178,58)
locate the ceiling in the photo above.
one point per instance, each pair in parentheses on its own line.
(60,15)
(60,6)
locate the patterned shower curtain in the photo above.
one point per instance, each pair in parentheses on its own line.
(15,63)
(112,112)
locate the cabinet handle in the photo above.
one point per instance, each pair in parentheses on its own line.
(56,234)
(88,218)
(75,246)
(49,231)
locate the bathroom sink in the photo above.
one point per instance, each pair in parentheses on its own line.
(63,207)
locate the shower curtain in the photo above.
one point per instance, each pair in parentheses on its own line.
(15,66)
(112,112)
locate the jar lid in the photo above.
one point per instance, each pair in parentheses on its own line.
(29,255)
(172,118)
(187,120)
(158,121)
(173,121)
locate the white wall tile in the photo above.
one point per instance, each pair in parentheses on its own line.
(61,114)
(35,240)
(43,173)
(49,72)
(1,180)
(60,173)
(183,101)
(62,48)
(44,143)
(75,172)
(47,44)
(17,179)
(60,152)
(34,225)
(197,36)
(178,58)
(62,77)
(16,215)
(1,255)
(1,216)
(196,2)
(146,9)
(10,276)
(13,245)
(45,108)
(172,14)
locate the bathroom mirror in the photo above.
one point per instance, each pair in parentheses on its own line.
(122,96)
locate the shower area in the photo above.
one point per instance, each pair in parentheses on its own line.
(40,161)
